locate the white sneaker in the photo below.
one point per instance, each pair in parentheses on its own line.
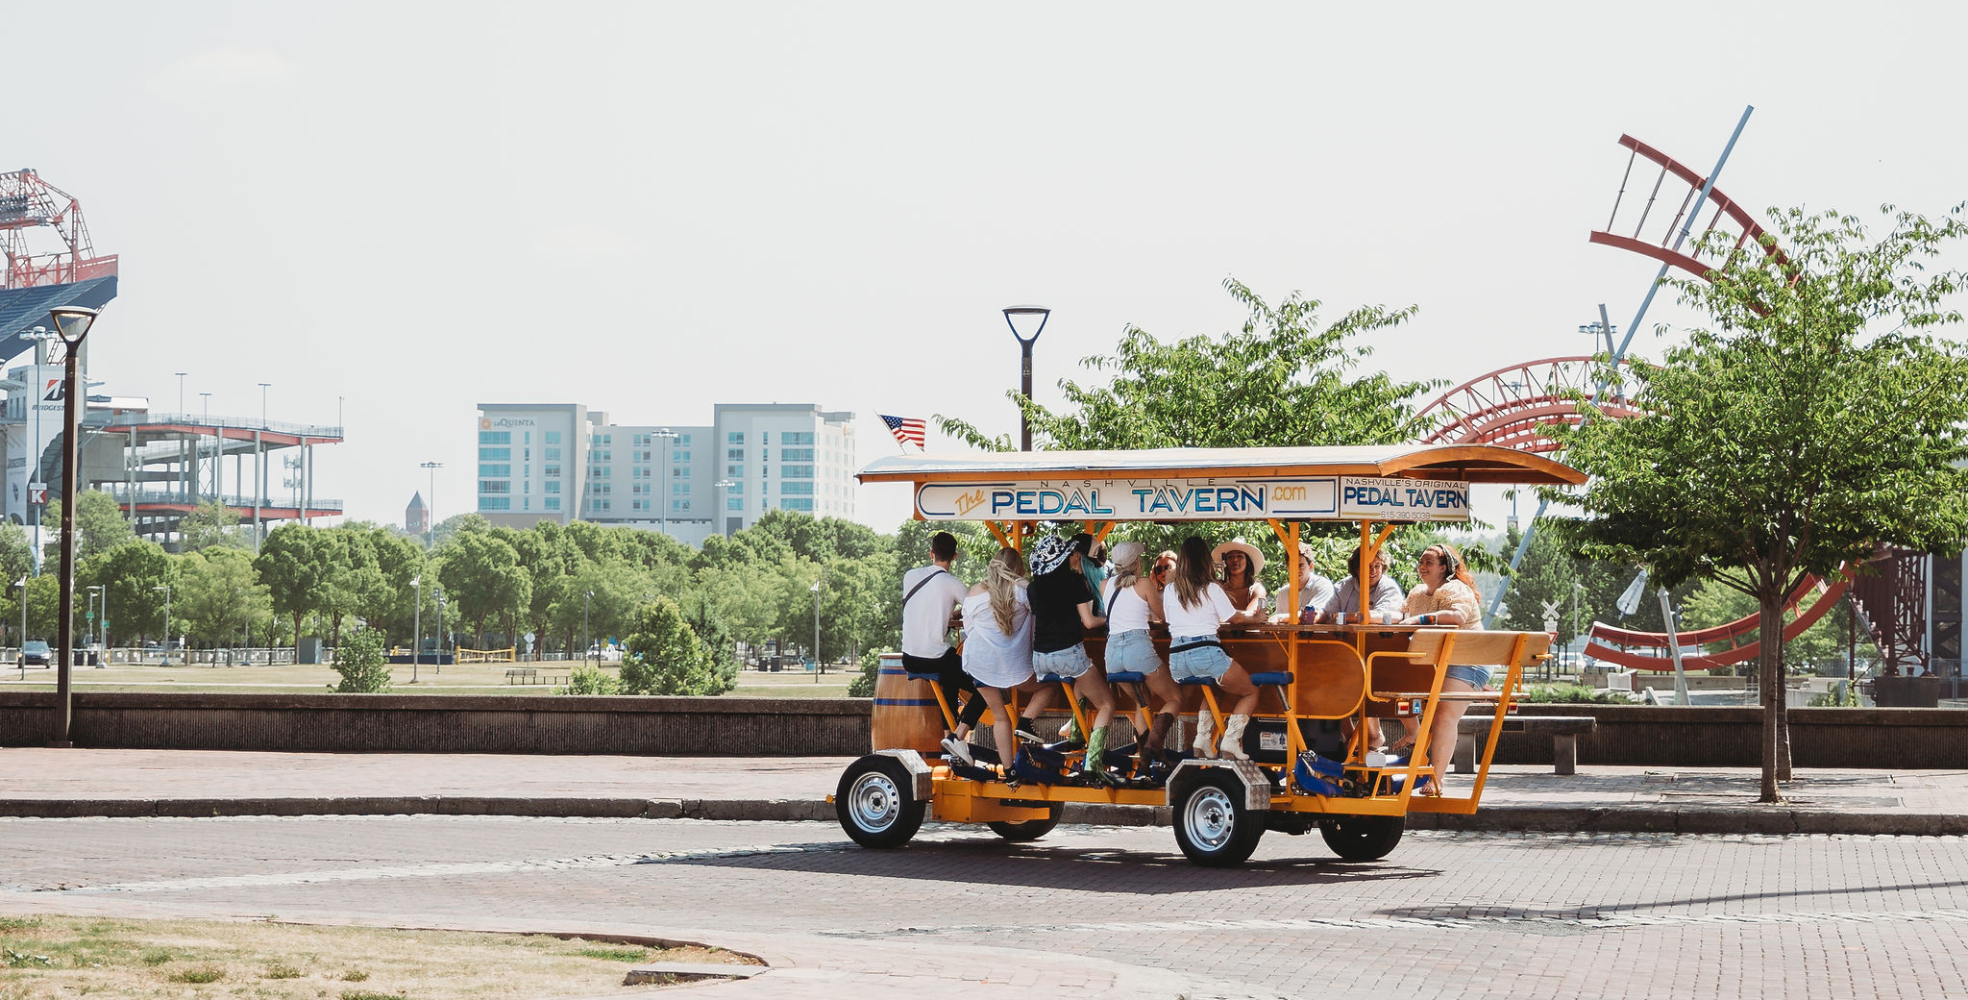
(958,750)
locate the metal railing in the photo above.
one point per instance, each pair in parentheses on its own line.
(124,495)
(127,421)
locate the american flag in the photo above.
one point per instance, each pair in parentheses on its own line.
(907,430)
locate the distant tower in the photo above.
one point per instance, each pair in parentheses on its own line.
(416,517)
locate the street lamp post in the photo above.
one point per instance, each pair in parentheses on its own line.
(181,391)
(816,624)
(430,506)
(21,657)
(72,325)
(440,629)
(95,618)
(1012,314)
(166,588)
(417,628)
(586,636)
(662,481)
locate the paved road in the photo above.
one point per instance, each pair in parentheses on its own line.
(1089,911)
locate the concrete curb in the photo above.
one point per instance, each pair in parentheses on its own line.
(1500,819)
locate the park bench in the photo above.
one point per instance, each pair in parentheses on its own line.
(1564,731)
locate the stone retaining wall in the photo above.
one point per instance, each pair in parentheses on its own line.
(1906,738)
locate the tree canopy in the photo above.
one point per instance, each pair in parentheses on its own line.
(1814,419)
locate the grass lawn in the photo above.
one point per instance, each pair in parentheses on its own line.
(453,679)
(49,957)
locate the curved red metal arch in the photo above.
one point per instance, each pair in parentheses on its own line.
(1599,634)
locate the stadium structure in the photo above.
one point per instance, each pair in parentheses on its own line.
(158,466)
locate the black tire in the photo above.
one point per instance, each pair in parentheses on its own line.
(876,802)
(1212,826)
(1364,838)
(1029,829)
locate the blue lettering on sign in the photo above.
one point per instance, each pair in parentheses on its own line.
(1000,499)
(1027,502)
(1141,501)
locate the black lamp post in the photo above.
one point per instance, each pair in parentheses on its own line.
(1012,315)
(72,324)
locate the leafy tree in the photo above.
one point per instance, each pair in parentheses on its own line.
(354,581)
(1815,421)
(359,659)
(43,607)
(291,563)
(665,657)
(133,576)
(99,525)
(482,575)
(16,553)
(210,524)
(220,598)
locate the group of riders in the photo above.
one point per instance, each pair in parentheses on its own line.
(1024,628)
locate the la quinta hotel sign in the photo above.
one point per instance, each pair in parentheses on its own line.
(1218,498)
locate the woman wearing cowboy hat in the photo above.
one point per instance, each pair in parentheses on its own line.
(1196,607)
(1242,562)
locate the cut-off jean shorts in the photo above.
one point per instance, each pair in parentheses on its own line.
(1068,663)
(1132,650)
(1478,676)
(1203,661)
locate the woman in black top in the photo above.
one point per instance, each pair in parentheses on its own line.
(1062,611)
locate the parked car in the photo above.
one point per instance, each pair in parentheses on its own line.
(35,653)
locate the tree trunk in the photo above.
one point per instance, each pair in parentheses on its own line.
(1783,723)
(1769,657)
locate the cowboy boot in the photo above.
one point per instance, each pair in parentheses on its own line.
(1233,738)
(1095,765)
(1157,734)
(1205,724)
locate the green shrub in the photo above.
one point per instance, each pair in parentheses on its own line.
(202,974)
(359,659)
(664,656)
(864,685)
(1570,694)
(586,678)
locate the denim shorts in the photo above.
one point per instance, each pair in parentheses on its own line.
(1479,676)
(1068,663)
(1133,650)
(1203,661)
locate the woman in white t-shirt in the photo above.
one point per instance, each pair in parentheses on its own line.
(1196,607)
(1132,602)
(997,649)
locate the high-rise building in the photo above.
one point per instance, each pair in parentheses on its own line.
(566,462)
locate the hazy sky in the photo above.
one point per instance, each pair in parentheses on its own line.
(651,208)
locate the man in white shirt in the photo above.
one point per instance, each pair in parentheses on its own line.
(929,594)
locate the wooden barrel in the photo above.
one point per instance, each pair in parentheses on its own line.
(907,716)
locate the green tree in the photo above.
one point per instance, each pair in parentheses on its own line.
(354,581)
(133,576)
(359,659)
(220,599)
(291,561)
(665,657)
(208,525)
(16,553)
(1813,422)
(99,525)
(483,578)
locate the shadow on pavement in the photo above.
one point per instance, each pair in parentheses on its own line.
(1095,869)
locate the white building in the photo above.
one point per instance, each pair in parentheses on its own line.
(566,462)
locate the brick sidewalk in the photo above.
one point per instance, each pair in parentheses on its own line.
(45,782)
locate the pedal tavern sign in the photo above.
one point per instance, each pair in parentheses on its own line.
(1217,498)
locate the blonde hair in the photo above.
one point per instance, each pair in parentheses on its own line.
(1001,578)
(1127,564)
